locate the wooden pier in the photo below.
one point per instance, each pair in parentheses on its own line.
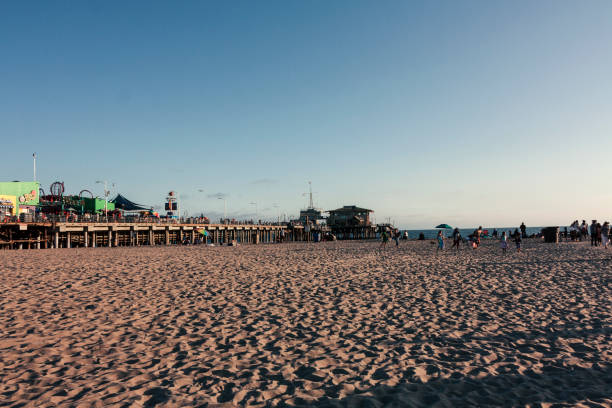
(38,235)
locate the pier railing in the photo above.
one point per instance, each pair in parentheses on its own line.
(101,219)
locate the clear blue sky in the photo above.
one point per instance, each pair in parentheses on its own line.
(464,112)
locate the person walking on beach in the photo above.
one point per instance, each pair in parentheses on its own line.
(605,234)
(396,237)
(440,242)
(523,230)
(598,233)
(477,235)
(456,238)
(504,242)
(384,239)
(584,230)
(518,240)
(593,231)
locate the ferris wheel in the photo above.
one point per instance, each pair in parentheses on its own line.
(86,191)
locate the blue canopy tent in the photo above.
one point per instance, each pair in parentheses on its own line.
(124,204)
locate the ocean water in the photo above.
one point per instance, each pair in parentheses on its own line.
(433,233)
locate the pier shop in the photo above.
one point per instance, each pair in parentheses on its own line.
(18,197)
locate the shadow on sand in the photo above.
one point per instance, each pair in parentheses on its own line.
(563,386)
(554,383)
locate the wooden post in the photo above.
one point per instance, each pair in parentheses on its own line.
(56,239)
(167,235)
(110,238)
(86,232)
(151,236)
(93,239)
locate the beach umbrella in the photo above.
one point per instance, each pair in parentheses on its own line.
(445,226)
(203,232)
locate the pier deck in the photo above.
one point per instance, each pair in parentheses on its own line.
(40,235)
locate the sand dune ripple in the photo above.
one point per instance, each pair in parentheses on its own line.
(331,324)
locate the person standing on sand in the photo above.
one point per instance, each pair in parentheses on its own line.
(593,231)
(605,234)
(504,242)
(584,230)
(396,237)
(477,235)
(523,230)
(598,233)
(440,242)
(384,239)
(456,238)
(518,240)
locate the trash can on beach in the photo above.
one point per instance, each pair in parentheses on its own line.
(551,234)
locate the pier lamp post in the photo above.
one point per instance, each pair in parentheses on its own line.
(277,212)
(224,207)
(106,193)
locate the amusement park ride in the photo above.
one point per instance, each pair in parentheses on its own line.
(56,194)
(57,190)
(57,202)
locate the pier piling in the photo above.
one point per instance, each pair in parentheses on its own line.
(69,234)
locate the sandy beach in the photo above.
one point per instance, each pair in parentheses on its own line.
(329,324)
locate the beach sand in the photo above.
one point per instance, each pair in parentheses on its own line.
(328,324)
